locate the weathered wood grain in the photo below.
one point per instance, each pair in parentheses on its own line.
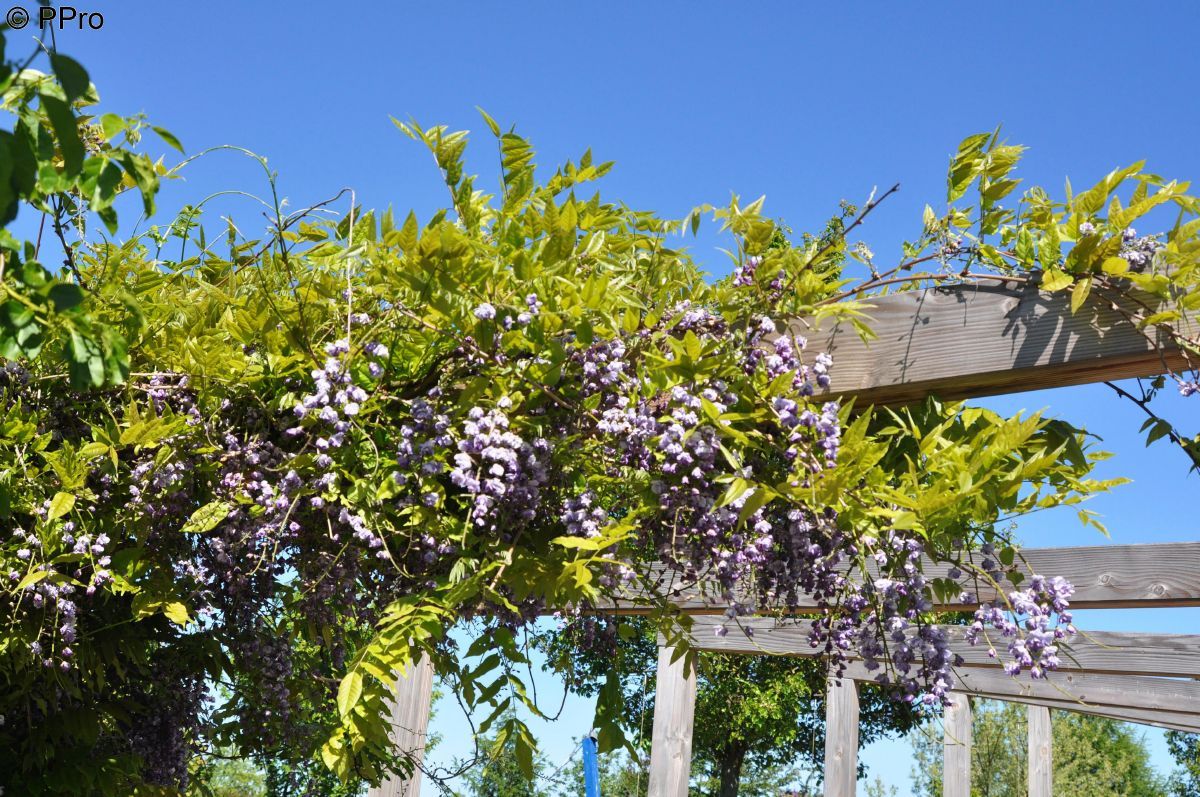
(674,713)
(1188,723)
(1099,652)
(1158,719)
(956,747)
(1041,753)
(410,721)
(841,737)
(1180,696)
(1105,577)
(966,341)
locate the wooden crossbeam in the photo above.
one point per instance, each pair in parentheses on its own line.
(1105,577)
(1159,719)
(974,340)
(1181,696)
(1130,698)
(1098,652)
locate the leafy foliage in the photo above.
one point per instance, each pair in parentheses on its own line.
(1092,755)
(1185,748)
(759,721)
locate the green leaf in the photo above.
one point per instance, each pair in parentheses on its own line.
(60,504)
(74,78)
(349,691)
(1055,280)
(1080,293)
(66,295)
(113,125)
(167,136)
(491,123)
(176,612)
(32,578)
(736,489)
(206,518)
(1160,429)
(585,543)
(66,130)
(1114,266)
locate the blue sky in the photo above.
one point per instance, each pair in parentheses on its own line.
(805,103)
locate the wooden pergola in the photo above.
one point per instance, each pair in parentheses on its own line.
(958,342)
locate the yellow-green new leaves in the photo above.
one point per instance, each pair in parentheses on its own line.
(60,504)
(349,692)
(206,518)
(147,604)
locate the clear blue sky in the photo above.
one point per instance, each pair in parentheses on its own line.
(806,103)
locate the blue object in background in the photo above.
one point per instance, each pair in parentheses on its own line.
(591,767)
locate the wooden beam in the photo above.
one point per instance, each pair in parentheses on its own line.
(1041,755)
(841,737)
(674,713)
(979,340)
(956,747)
(1098,691)
(1071,692)
(1103,692)
(1105,577)
(410,723)
(1188,723)
(1099,652)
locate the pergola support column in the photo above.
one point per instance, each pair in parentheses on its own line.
(674,713)
(841,737)
(957,741)
(410,724)
(1041,757)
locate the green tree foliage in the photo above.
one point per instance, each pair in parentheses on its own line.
(620,774)
(760,720)
(1092,755)
(290,464)
(1185,747)
(502,774)
(59,161)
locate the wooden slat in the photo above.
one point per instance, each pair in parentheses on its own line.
(410,722)
(1167,703)
(967,341)
(841,737)
(956,747)
(1041,753)
(1096,691)
(674,713)
(1105,577)
(1100,652)
(1162,719)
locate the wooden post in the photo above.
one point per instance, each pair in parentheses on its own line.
(1041,775)
(410,721)
(841,738)
(956,770)
(674,712)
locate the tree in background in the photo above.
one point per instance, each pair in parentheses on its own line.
(760,720)
(502,774)
(1092,756)
(621,775)
(1185,747)
(764,714)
